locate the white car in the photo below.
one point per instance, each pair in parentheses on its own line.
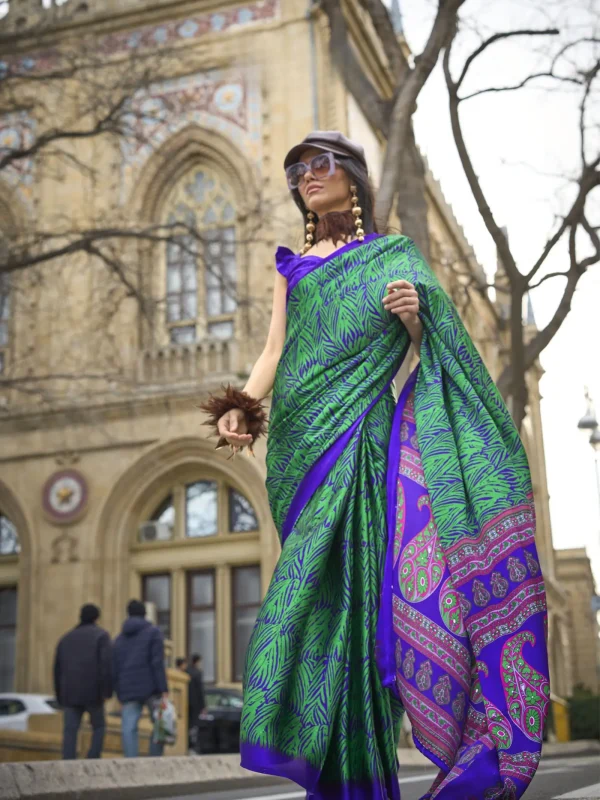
(15,709)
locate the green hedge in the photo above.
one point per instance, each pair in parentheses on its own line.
(584,712)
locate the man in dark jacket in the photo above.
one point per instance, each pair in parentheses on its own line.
(82,680)
(196,700)
(139,675)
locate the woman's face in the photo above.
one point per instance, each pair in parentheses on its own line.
(326,194)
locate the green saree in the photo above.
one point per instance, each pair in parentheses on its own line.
(383,509)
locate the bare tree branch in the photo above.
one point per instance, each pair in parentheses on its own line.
(406,97)
(499,37)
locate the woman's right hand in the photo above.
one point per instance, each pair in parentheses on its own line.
(232,427)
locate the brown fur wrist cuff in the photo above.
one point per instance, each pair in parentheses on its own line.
(217,405)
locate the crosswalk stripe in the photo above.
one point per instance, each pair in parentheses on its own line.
(585,793)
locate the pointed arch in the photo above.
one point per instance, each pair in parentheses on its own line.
(190,146)
(196,282)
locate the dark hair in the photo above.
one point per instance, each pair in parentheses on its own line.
(179,662)
(135,608)
(196,658)
(89,613)
(358,175)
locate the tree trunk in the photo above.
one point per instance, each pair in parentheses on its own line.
(412,198)
(518,386)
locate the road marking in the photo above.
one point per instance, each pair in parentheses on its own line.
(429,776)
(542,771)
(586,793)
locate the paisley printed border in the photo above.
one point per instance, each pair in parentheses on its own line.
(506,618)
(411,466)
(433,641)
(445,733)
(521,765)
(481,556)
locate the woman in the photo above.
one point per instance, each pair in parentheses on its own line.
(408,578)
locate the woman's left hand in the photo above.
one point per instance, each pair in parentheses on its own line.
(402,299)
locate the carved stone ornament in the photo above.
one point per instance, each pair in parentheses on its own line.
(65,497)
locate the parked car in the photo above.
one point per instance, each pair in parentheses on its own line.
(15,709)
(219,726)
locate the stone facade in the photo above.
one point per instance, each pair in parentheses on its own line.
(574,572)
(81,474)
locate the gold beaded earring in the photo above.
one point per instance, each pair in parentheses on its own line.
(310,229)
(357,211)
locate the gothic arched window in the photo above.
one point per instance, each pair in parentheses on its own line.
(201,263)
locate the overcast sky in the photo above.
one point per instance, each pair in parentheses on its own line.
(519,143)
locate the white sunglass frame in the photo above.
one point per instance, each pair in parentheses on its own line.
(332,165)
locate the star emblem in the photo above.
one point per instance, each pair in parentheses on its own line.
(64,494)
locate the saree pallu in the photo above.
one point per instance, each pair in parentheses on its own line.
(408,577)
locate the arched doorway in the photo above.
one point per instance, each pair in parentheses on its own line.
(191,532)
(14,594)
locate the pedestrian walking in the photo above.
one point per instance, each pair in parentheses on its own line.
(139,675)
(196,697)
(408,579)
(182,664)
(82,680)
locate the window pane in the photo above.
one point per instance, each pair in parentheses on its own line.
(190,305)
(229,304)
(220,330)
(8,607)
(174,277)
(213,302)
(244,623)
(190,282)
(9,539)
(246,585)
(3,334)
(242,516)
(202,640)
(185,334)
(214,248)
(165,513)
(174,308)
(203,590)
(228,213)
(157,590)
(8,637)
(201,509)
(1,363)
(246,603)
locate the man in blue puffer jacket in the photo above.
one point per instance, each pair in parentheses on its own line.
(139,675)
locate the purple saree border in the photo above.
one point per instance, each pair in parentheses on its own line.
(271,762)
(321,468)
(384,636)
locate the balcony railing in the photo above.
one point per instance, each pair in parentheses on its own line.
(181,363)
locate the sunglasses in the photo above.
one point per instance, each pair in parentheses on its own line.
(321,166)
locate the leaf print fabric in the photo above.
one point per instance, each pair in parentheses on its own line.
(393,590)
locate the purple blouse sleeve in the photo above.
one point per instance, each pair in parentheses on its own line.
(284,261)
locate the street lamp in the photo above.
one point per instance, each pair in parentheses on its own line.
(589,423)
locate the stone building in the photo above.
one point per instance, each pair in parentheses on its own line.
(108,486)
(574,572)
